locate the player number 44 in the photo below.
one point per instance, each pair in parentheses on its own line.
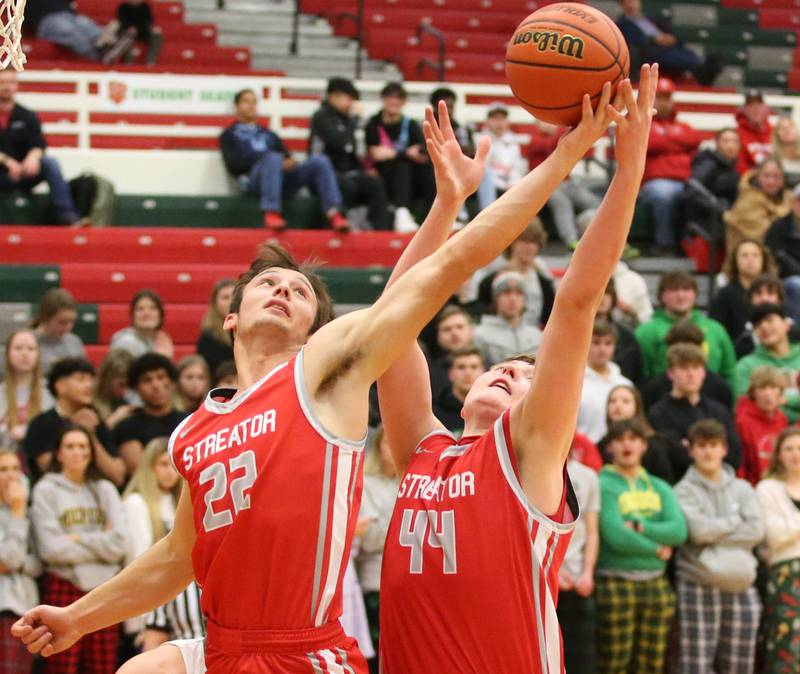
(217,474)
(435,528)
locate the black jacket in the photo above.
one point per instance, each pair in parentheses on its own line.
(334,134)
(242,145)
(783,238)
(23,133)
(214,351)
(447,409)
(731,307)
(673,417)
(715,387)
(628,354)
(717,173)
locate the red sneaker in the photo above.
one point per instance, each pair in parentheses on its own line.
(274,221)
(339,223)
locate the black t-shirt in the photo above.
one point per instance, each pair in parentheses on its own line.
(404,133)
(214,351)
(145,427)
(43,431)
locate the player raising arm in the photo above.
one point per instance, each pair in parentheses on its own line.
(470,567)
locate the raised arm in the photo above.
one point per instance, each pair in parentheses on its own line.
(543,423)
(404,390)
(360,347)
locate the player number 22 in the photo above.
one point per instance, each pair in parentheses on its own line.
(217,474)
(439,529)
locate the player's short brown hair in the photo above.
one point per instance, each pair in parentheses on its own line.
(271,256)
(765,375)
(603,328)
(681,355)
(706,430)
(463,352)
(685,332)
(673,280)
(528,358)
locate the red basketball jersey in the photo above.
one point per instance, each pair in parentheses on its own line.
(470,568)
(275,500)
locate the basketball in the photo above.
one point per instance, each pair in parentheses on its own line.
(558,54)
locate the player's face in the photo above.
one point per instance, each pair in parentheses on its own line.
(464,371)
(23,352)
(627,450)
(768,398)
(621,404)
(689,378)
(498,389)
(601,350)
(749,259)
(679,301)
(155,388)
(708,454)
(166,476)
(193,382)
(772,330)
(74,453)
(454,332)
(728,145)
(60,324)
(279,300)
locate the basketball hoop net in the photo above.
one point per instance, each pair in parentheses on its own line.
(12,13)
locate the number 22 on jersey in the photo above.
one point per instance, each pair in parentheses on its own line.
(437,529)
(218,474)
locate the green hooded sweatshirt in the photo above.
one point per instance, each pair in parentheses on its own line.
(652,337)
(789,364)
(647,499)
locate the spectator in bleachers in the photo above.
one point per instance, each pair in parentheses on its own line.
(466,365)
(260,163)
(640,524)
(150,501)
(715,169)
(504,165)
(633,296)
(600,377)
(755,131)
(53,324)
(194,382)
(504,333)
(153,377)
(23,393)
(225,375)
(652,41)
(145,334)
(463,132)
(746,261)
(377,504)
(71,382)
(113,400)
(135,18)
(572,204)
(576,607)
(759,421)
(396,147)
(668,165)
(763,198)
(333,134)
(714,386)
(685,404)
(786,147)
(765,289)
(624,403)
(771,328)
(20,566)
(718,604)
(23,159)
(214,342)
(586,452)
(454,330)
(627,353)
(779,495)
(677,293)
(783,238)
(57,21)
(79,526)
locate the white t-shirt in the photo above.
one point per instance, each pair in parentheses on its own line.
(587,491)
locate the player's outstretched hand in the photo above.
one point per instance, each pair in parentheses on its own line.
(633,128)
(593,125)
(46,629)
(457,175)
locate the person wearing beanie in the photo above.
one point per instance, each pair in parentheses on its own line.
(640,525)
(759,420)
(504,333)
(718,604)
(771,328)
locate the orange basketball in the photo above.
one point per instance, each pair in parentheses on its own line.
(558,54)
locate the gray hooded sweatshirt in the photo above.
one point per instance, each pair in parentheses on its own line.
(92,510)
(18,590)
(498,339)
(725,524)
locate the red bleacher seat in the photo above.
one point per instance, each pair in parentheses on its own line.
(181,321)
(99,9)
(389,43)
(97,352)
(775,17)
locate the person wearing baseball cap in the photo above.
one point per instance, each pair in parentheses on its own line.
(504,334)
(783,238)
(755,131)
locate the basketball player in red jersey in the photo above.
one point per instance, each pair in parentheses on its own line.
(470,567)
(273,470)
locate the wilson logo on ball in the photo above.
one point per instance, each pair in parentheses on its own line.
(565,44)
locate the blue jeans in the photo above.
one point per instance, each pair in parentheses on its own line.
(76,32)
(662,195)
(59,189)
(271,183)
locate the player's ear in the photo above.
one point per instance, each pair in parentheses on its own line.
(230,322)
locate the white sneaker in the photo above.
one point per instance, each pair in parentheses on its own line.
(404,222)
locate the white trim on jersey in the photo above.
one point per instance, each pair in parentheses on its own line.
(217,407)
(543,548)
(322,532)
(171,442)
(308,411)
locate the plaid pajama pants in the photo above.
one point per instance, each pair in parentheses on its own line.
(96,653)
(14,657)
(633,624)
(782,619)
(717,629)
(576,617)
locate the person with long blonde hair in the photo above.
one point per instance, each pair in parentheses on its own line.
(23,393)
(113,400)
(214,342)
(779,495)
